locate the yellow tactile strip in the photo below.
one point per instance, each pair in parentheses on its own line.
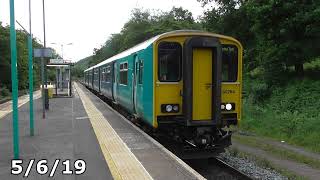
(121,161)
(6,108)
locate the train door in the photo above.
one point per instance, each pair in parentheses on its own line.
(202,80)
(92,78)
(114,89)
(112,79)
(134,82)
(202,83)
(100,73)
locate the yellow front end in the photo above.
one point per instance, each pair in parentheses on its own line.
(169,88)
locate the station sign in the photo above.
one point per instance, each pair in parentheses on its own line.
(57,61)
(42,52)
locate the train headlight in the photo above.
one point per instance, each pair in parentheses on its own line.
(168,108)
(176,108)
(228,107)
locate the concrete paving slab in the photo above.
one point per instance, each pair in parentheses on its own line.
(62,135)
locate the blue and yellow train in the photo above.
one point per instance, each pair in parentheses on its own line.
(186,84)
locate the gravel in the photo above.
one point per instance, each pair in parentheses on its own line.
(251,168)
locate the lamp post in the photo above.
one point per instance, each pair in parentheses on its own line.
(30,74)
(43,78)
(14,81)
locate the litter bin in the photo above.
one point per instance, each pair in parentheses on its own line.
(50,92)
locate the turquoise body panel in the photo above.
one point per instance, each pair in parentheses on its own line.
(144,92)
(124,92)
(147,87)
(137,95)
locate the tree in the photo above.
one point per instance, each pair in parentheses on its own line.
(22,59)
(276,34)
(292,26)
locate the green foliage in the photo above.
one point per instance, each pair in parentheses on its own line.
(4,91)
(294,124)
(276,34)
(22,59)
(291,114)
(258,92)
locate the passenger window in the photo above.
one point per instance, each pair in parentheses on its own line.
(169,57)
(140,72)
(229,63)
(123,74)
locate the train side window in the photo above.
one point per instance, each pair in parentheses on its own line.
(169,59)
(108,74)
(140,72)
(123,73)
(229,63)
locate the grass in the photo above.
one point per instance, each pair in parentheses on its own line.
(290,113)
(264,163)
(281,153)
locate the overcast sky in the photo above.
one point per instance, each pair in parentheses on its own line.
(85,23)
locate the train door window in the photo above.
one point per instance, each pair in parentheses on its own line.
(105,74)
(140,72)
(105,78)
(96,75)
(169,59)
(229,63)
(123,73)
(101,75)
(108,74)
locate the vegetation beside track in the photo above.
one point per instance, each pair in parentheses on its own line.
(264,163)
(289,113)
(277,151)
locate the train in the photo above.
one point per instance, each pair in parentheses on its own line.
(184,84)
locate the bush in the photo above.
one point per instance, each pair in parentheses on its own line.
(257,72)
(291,123)
(258,91)
(4,91)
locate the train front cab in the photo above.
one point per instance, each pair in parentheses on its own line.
(198,87)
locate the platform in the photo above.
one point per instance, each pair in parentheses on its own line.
(84,127)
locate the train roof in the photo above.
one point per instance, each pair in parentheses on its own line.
(148,42)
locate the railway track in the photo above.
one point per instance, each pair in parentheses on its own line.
(212,168)
(215,168)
